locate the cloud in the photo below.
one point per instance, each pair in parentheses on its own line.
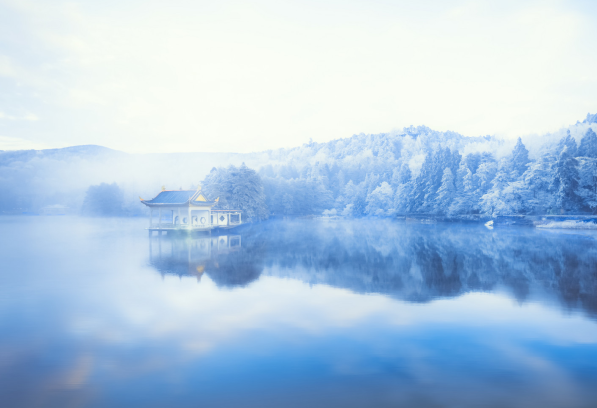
(183,311)
(29,116)
(150,76)
(15,143)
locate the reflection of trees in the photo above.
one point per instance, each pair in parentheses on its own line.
(412,262)
(420,262)
(240,267)
(235,269)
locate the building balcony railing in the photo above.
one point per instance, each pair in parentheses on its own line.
(194,226)
(169,225)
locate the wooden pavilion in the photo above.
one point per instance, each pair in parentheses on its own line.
(188,210)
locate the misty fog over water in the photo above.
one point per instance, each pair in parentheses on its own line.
(348,313)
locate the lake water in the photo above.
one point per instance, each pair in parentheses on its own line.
(303,313)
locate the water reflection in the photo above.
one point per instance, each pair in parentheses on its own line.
(222,257)
(187,255)
(416,263)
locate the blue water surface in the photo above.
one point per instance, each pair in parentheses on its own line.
(299,313)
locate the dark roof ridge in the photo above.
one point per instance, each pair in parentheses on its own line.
(179,197)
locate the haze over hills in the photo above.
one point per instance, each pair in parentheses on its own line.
(376,174)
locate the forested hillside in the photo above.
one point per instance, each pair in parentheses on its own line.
(412,171)
(421,171)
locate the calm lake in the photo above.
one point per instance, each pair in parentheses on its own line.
(302,313)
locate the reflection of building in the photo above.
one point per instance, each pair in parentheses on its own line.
(188,210)
(190,255)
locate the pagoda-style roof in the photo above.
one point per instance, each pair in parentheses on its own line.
(179,198)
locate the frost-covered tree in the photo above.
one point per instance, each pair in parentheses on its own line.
(588,145)
(103,200)
(402,198)
(565,182)
(519,159)
(491,202)
(403,182)
(508,194)
(588,183)
(379,201)
(237,188)
(567,142)
(446,192)
(429,179)
(537,181)
(483,179)
(401,174)
(371,182)
(420,184)
(296,196)
(514,199)
(354,199)
(463,191)
(473,180)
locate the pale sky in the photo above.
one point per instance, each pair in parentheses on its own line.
(177,75)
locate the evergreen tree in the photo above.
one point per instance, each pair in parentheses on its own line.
(429,179)
(371,183)
(379,201)
(472,161)
(446,192)
(463,190)
(519,159)
(354,199)
(482,181)
(514,199)
(402,180)
(341,182)
(567,142)
(588,183)
(103,200)
(588,145)
(491,202)
(237,188)
(565,182)
(350,191)
(461,173)
(416,203)
(537,181)
(402,198)
(401,175)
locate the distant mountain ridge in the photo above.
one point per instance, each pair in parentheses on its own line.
(64,153)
